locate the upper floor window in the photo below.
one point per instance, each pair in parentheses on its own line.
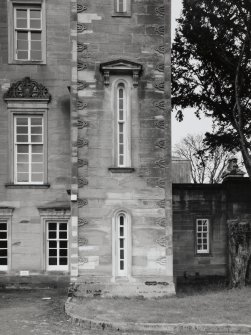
(26,32)
(202,236)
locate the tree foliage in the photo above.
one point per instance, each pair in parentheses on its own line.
(211,70)
(206,165)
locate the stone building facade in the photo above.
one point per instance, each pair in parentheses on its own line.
(85,169)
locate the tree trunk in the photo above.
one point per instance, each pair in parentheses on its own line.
(239,250)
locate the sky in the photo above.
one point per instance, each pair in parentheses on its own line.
(191,124)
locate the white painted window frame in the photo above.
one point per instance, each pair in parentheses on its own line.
(57,267)
(30,144)
(199,235)
(116,271)
(12,46)
(29,108)
(126,123)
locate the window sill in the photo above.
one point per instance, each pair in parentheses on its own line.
(121,15)
(121,169)
(27,62)
(27,186)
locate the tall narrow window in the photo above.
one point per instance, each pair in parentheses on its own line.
(121,125)
(3,246)
(202,236)
(121,245)
(28,33)
(28,149)
(57,246)
(121,6)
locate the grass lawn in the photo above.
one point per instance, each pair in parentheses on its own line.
(206,306)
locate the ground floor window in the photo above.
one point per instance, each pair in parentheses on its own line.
(202,236)
(57,246)
(3,245)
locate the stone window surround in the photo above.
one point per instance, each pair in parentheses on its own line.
(6,216)
(26,107)
(53,215)
(127,13)
(11,47)
(128,255)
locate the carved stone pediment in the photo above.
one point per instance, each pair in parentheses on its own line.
(121,66)
(27,89)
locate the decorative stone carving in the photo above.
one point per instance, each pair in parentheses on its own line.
(121,66)
(162,163)
(86,54)
(160,10)
(160,124)
(161,260)
(81,27)
(162,222)
(160,67)
(82,162)
(82,124)
(82,203)
(81,8)
(163,241)
(81,105)
(160,30)
(161,183)
(160,104)
(27,89)
(81,46)
(82,260)
(82,222)
(232,169)
(81,66)
(82,84)
(162,203)
(159,84)
(82,182)
(82,241)
(161,144)
(161,49)
(82,142)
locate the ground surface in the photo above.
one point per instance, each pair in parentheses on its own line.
(25,312)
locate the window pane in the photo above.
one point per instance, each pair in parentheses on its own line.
(22,130)
(52,261)
(121,127)
(63,252)
(36,45)
(121,265)
(121,114)
(121,231)
(63,244)
(35,24)
(35,14)
(22,177)
(3,244)
(21,23)
(63,226)
(37,149)
(21,13)
(3,235)
(53,252)
(23,167)
(37,178)
(22,45)
(22,138)
(121,160)
(52,226)
(63,235)
(22,121)
(121,243)
(121,148)
(52,244)
(3,261)
(36,138)
(36,36)
(36,121)
(37,167)
(38,158)
(3,226)
(121,254)
(22,54)
(36,130)
(36,55)
(22,36)
(121,138)
(63,261)
(22,148)
(121,220)
(52,234)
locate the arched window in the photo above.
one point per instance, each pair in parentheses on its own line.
(121,244)
(123,131)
